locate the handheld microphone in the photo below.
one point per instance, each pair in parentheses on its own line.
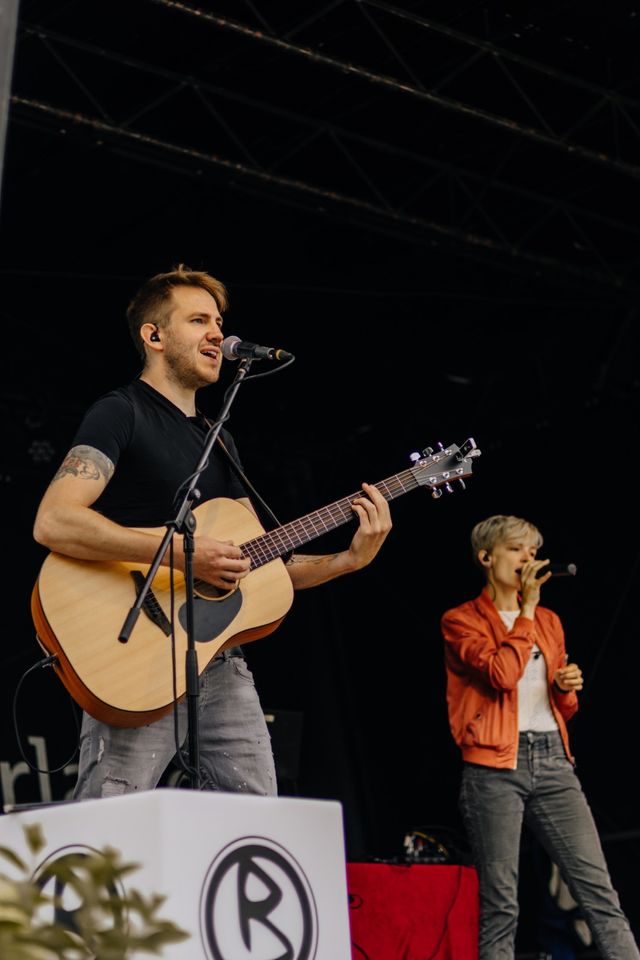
(558,570)
(233,348)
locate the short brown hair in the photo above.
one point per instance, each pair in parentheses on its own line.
(499,528)
(151,304)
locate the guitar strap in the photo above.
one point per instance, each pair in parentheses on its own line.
(244,480)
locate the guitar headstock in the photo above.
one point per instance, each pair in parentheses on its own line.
(444,467)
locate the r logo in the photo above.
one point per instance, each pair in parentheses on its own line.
(49,878)
(257,904)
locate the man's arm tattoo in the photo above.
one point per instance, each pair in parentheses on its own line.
(311,558)
(87,463)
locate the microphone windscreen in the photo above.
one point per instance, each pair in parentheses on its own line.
(227,347)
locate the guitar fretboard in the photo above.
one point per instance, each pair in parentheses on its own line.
(283,539)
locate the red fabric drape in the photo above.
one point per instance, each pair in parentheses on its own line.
(413,912)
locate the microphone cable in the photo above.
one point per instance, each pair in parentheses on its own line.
(41,664)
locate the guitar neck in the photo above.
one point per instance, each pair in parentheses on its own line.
(282,540)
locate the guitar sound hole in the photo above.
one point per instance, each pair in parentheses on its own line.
(207,591)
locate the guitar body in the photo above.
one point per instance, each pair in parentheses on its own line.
(79,607)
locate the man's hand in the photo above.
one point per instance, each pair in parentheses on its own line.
(219,562)
(375,523)
(569,678)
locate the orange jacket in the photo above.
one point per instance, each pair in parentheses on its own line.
(484,663)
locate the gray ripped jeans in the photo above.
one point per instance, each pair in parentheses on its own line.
(545,793)
(235,746)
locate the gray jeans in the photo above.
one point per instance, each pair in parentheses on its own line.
(235,746)
(545,792)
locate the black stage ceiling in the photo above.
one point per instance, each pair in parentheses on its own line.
(434,206)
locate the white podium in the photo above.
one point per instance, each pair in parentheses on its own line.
(251,878)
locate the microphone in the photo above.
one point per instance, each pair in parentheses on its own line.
(233,348)
(558,570)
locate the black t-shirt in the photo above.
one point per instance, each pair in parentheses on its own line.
(154,448)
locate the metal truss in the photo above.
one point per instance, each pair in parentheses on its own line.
(384,184)
(8,25)
(544,134)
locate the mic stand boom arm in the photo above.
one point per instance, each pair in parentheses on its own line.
(185,523)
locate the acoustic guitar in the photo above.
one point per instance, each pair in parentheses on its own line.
(78,606)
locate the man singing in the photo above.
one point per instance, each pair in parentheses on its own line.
(132,451)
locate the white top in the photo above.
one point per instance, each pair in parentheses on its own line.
(534,709)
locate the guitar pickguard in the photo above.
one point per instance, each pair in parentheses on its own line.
(210,619)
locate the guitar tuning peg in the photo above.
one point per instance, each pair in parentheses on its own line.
(427,451)
(437,493)
(462,484)
(414,457)
(440,446)
(448,488)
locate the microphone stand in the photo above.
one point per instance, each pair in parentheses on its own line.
(185,523)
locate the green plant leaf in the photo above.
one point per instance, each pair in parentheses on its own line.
(13,858)
(34,837)
(112,922)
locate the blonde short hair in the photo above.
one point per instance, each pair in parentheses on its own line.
(486,534)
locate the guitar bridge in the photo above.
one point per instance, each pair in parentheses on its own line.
(150,605)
